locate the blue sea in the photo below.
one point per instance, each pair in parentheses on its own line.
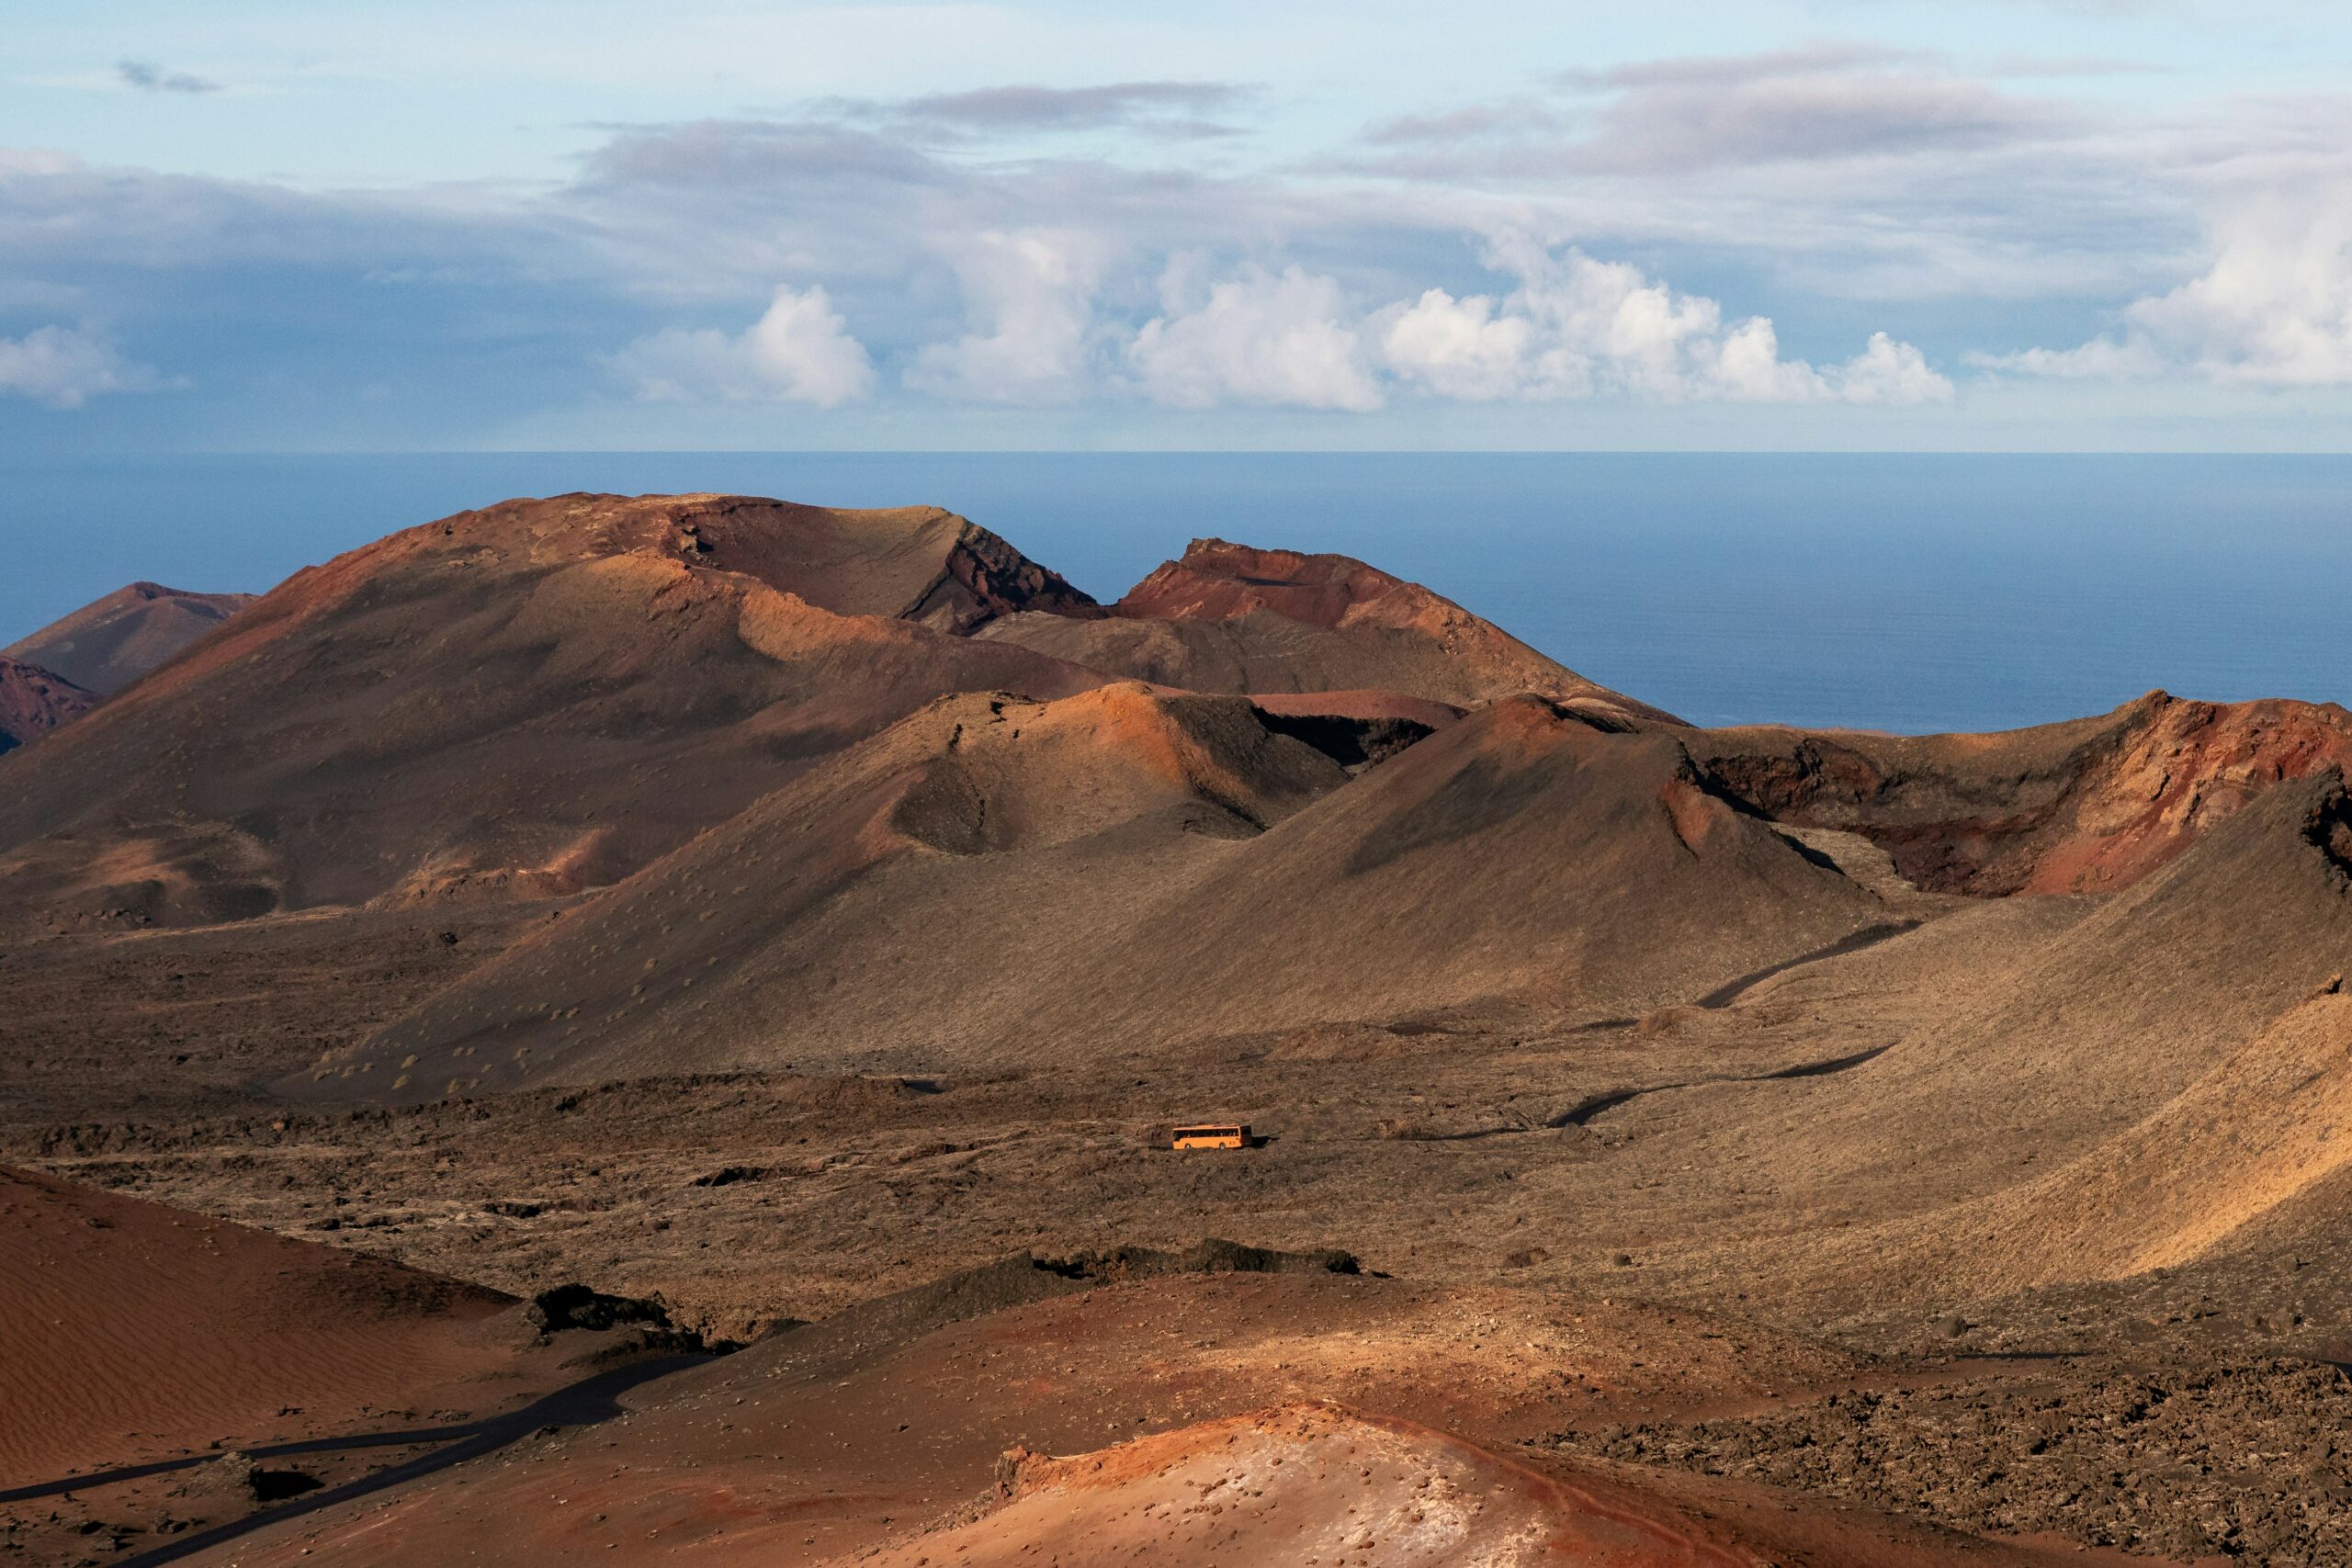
(1903,592)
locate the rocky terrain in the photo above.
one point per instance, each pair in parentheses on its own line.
(584,933)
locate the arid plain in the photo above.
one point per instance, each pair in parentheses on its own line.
(634,1030)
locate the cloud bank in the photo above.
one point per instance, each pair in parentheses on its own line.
(1841,237)
(64,369)
(2274,308)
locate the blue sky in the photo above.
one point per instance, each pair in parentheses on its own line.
(1822,224)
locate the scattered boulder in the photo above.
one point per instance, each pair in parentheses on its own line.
(572,1306)
(238,1477)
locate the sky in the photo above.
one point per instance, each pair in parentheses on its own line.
(255,225)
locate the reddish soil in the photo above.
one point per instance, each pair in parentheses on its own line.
(138,1332)
(1305,1483)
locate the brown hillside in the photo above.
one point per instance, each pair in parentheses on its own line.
(870,1433)
(112,641)
(2097,1093)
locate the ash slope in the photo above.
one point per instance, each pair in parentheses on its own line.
(112,641)
(999,881)
(529,699)
(2175,1057)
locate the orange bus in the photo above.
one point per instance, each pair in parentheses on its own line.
(1214,1135)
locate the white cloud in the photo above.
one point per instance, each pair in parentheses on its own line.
(1046,331)
(1889,372)
(1578,328)
(799,351)
(1457,348)
(2274,309)
(1260,337)
(148,77)
(1743,366)
(1574,327)
(66,369)
(2102,360)
(1031,295)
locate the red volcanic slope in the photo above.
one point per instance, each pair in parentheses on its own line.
(110,642)
(34,700)
(1220,581)
(129,1331)
(1230,618)
(2089,806)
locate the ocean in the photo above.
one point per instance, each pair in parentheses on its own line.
(1903,592)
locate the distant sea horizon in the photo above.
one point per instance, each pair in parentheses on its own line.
(1914,592)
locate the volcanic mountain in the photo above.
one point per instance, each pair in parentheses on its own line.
(2175,1053)
(110,642)
(529,699)
(1226,617)
(541,697)
(34,700)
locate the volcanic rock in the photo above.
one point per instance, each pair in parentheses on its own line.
(34,700)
